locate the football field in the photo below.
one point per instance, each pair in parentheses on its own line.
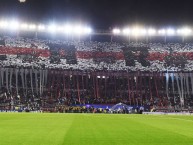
(94,129)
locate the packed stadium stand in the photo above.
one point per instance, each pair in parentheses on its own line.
(45,74)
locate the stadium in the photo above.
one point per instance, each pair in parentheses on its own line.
(73,83)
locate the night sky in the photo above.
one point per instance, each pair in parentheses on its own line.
(101,14)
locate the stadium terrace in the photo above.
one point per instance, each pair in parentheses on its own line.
(77,72)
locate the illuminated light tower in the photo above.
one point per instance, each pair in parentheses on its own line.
(137,32)
(150,32)
(41,28)
(78,30)
(184,32)
(162,32)
(127,33)
(14,25)
(52,28)
(87,30)
(170,32)
(68,29)
(24,26)
(32,27)
(4,24)
(22,1)
(116,31)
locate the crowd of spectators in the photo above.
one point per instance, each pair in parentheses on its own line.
(86,55)
(31,72)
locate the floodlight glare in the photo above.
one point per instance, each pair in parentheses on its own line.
(170,31)
(184,31)
(126,31)
(24,26)
(14,25)
(52,28)
(138,31)
(142,31)
(87,30)
(59,29)
(116,31)
(151,31)
(41,27)
(187,31)
(32,27)
(3,24)
(67,29)
(162,32)
(135,31)
(78,30)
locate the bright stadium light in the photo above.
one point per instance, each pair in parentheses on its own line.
(116,31)
(78,30)
(14,25)
(126,31)
(41,27)
(52,28)
(170,31)
(32,27)
(162,32)
(139,31)
(179,31)
(67,29)
(22,1)
(87,30)
(135,31)
(143,31)
(184,31)
(151,31)
(59,29)
(24,26)
(4,24)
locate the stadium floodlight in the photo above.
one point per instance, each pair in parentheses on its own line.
(52,28)
(14,25)
(139,31)
(87,30)
(67,29)
(59,29)
(32,27)
(24,26)
(184,31)
(162,32)
(142,31)
(179,31)
(135,31)
(78,30)
(126,31)
(22,1)
(116,31)
(170,32)
(151,31)
(4,24)
(41,27)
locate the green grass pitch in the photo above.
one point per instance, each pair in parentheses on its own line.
(94,129)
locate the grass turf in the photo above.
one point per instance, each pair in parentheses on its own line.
(95,129)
